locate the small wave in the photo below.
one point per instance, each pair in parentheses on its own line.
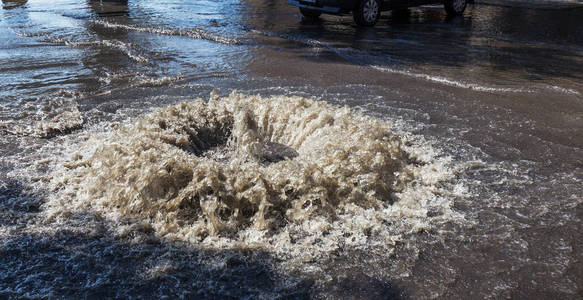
(31,34)
(114,44)
(452,82)
(196,33)
(144,81)
(55,115)
(158,81)
(564,90)
(125,48)
(291,37)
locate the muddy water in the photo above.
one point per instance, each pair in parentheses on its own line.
(427,157)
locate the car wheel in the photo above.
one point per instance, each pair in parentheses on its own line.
(455,7)
(309,13)
(367,12)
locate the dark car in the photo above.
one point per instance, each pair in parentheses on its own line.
(367,12)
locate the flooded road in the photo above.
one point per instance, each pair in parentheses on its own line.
(427,157)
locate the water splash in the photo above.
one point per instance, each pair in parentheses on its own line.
(286,173)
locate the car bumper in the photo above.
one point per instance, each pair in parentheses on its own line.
(326,6)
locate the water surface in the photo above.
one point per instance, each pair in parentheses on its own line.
(487,107)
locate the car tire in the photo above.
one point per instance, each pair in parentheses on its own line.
(367,12)
(455,7)
(310,13)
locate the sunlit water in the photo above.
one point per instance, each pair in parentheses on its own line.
(426,157)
